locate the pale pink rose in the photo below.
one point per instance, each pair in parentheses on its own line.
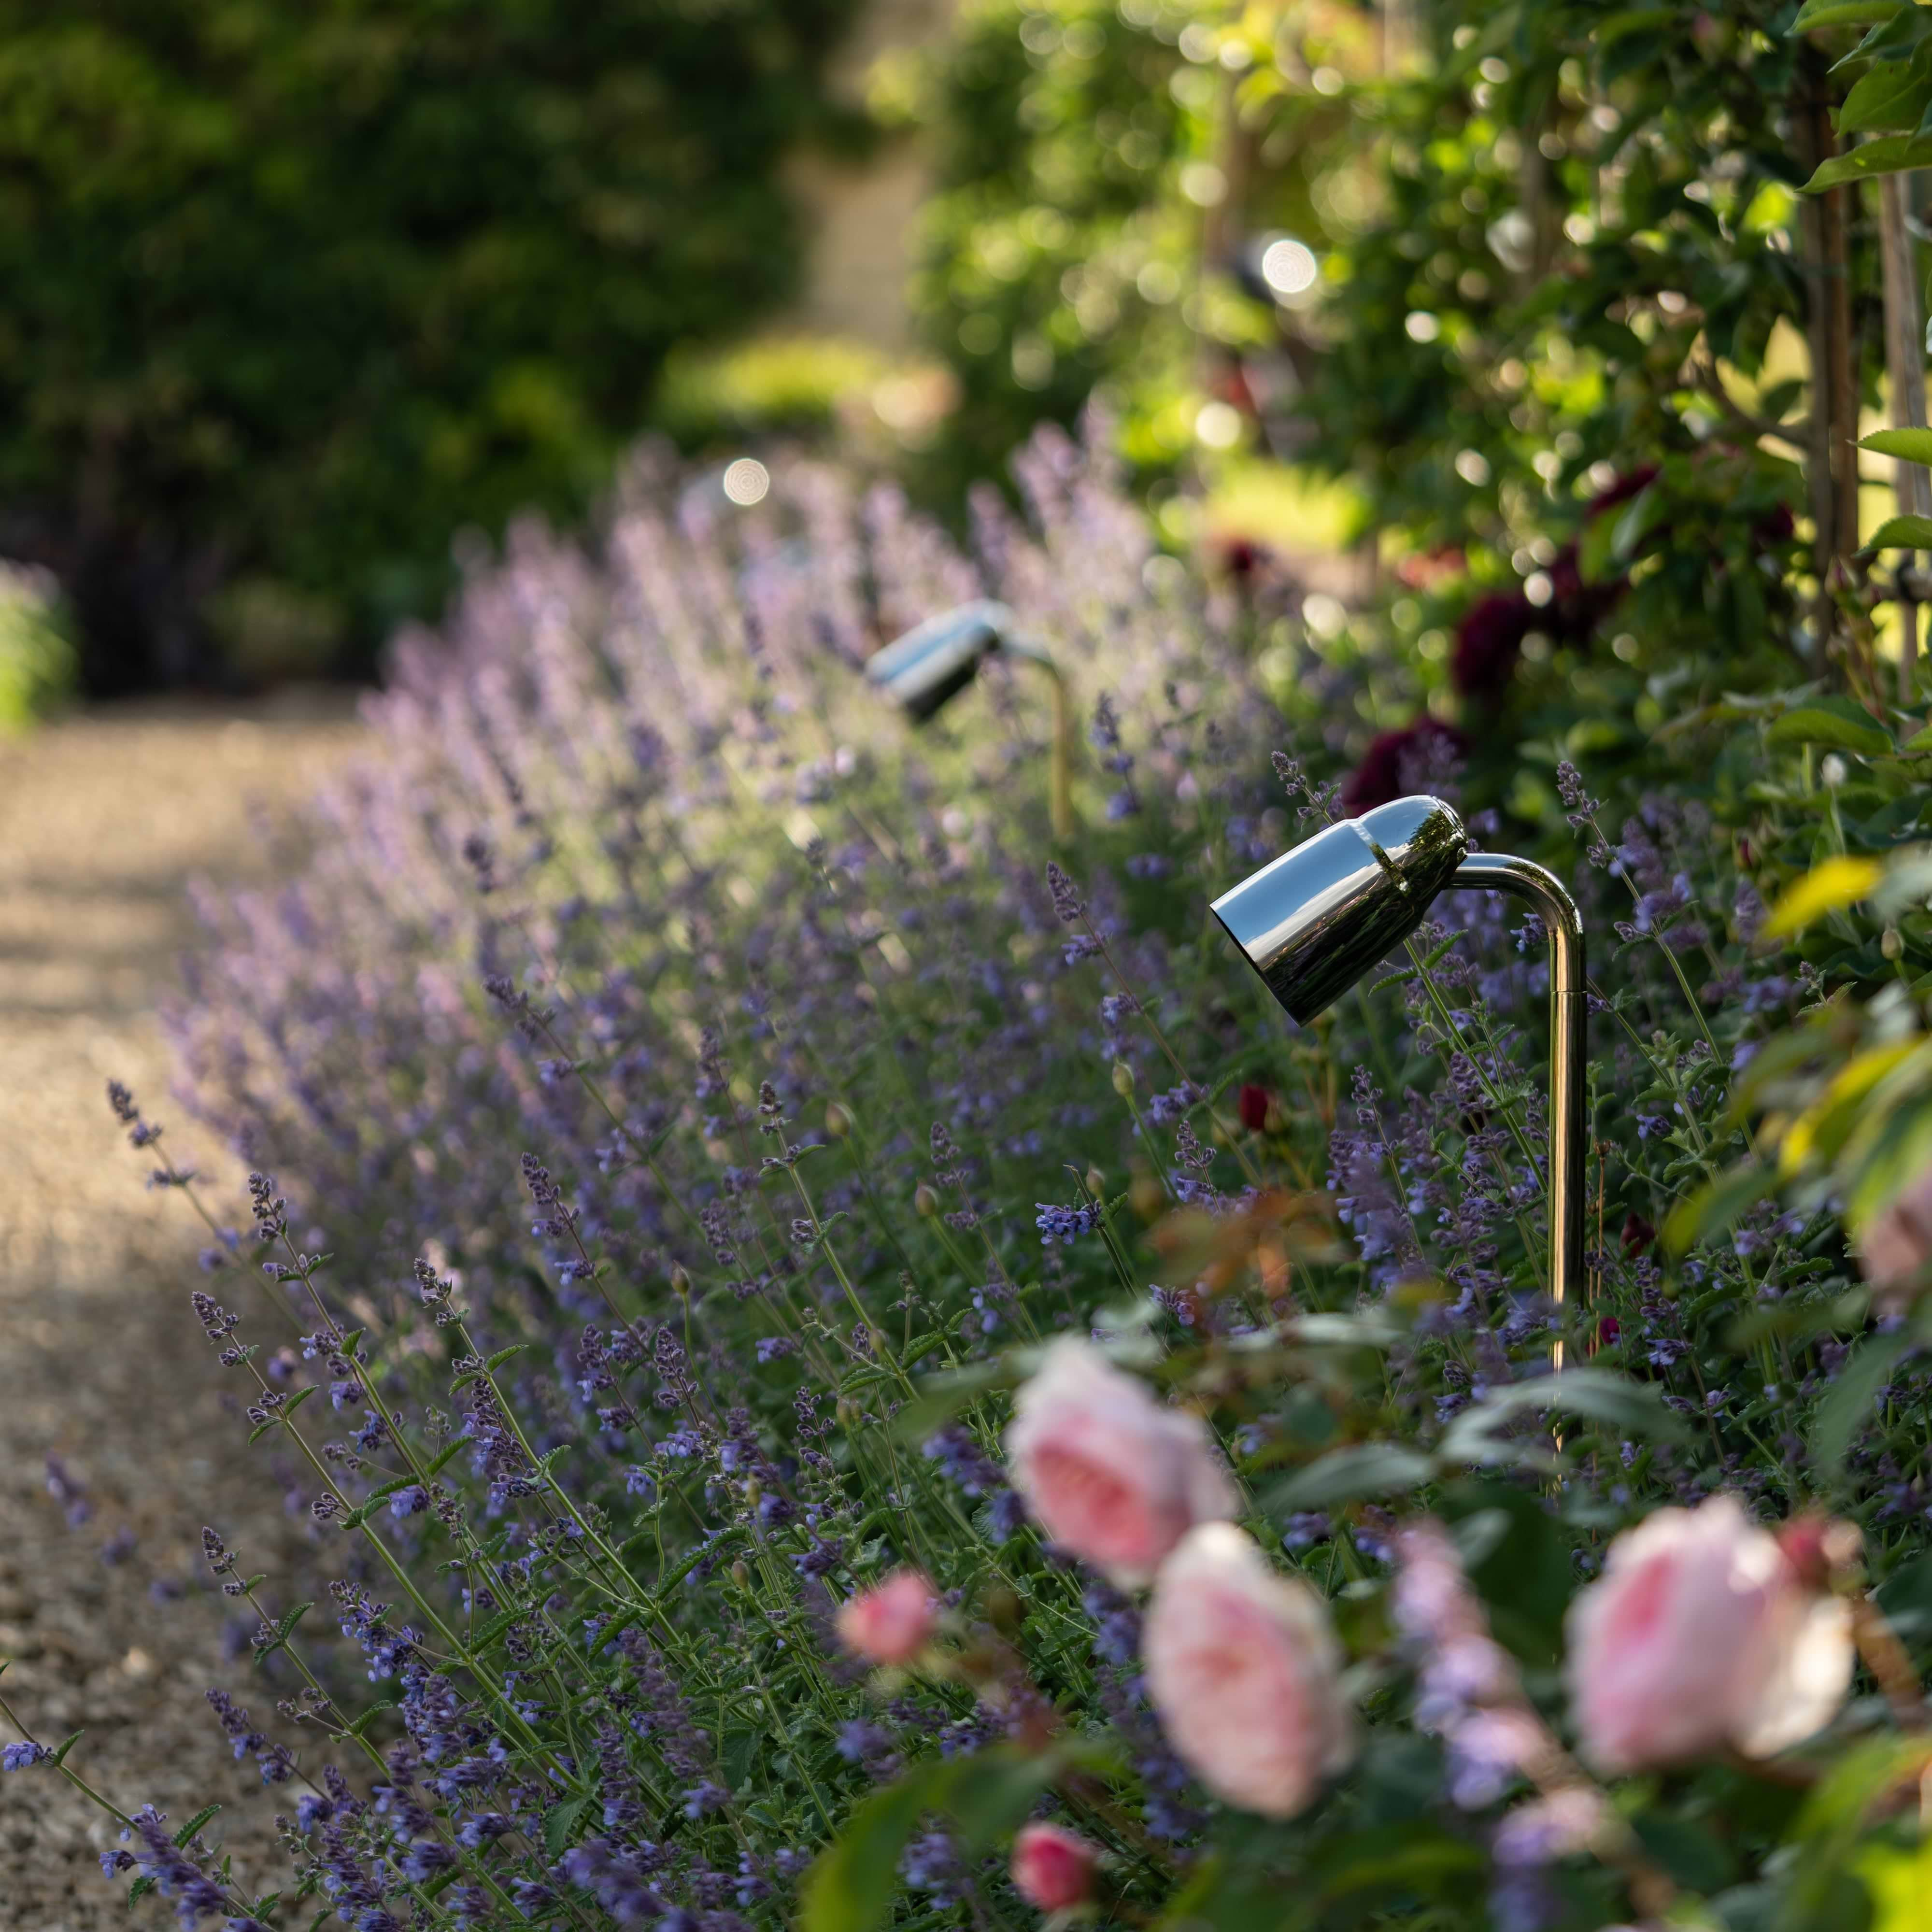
(1243,1669)
(1894,1245)
(1053,1869)
(1701,1634)
(891,1622)
(1108,1471)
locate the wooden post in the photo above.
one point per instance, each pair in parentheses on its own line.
(1833,467)
(1905,377)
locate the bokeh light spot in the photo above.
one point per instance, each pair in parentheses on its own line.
(747,480)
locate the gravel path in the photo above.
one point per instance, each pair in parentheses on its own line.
(103,820)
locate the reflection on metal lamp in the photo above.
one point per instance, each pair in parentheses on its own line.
(1314,921)
(922,670)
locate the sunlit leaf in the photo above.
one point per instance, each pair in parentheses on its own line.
(1830,887)
(1902,533)
(1347,1475)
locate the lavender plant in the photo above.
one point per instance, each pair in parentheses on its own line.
(683,1108)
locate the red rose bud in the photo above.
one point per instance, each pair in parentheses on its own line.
(1053,1869)
(1254,1107)
(1817,1545)
(1639,1235)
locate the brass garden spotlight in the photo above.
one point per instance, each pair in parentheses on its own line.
(941,657)
(1314,921)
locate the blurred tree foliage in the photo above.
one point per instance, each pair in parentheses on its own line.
(1564,314)
(294,291)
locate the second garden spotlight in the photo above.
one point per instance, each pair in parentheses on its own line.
(922,670)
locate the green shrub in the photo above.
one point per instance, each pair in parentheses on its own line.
(298,293)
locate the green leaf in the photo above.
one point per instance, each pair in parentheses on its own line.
(450,1451)
(1716,1205)
(140,1889)
(1840,881)
(994,1791)
(195,1824)
(1889,154)
(1839,721)
(851,1884)
(559,1821)
(1911,445)
(1892,96)
(1346,1475)
(941,1397)
(1230,1895)
(1902,533)
(1863,1373)
(284,1628)
(1630,1407)
(1816,13)
(502,1355)
(368,1717)
(1407,1857)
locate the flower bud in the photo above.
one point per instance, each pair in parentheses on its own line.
(1053,1869)
(1123,1078)
(1096,1183)
(838,1121)
(741,1574)
(891,1622)
(926,1201)
(1889,943)
(680,1282)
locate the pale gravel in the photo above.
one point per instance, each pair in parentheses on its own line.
(104,818)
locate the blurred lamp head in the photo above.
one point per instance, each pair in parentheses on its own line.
(922,670)
(1314,921)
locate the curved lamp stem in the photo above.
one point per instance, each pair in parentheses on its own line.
(1060,770)
(1059,777)
(1523,879)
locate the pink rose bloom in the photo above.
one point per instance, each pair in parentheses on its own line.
(891,1622)
(1894,1245)
(1244,1670)
(1053,1869)
(1701,1634)
(1108,1472)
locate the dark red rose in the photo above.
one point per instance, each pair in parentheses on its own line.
(1489,641)
(1400,762)
(1608,1331)
(1243,558)
(1632,483)
(1639,1235)
(1253,1102)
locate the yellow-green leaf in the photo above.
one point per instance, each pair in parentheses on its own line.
(1902,533)
(1889,154)
(1839,721)
(1900,1882)
(1815,13)
(1830,887)
(1913,446)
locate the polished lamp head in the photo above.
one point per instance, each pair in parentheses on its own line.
(1313,922)
(922,670)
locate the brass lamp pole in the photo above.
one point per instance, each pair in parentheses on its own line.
(1314,921)
(921,671)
